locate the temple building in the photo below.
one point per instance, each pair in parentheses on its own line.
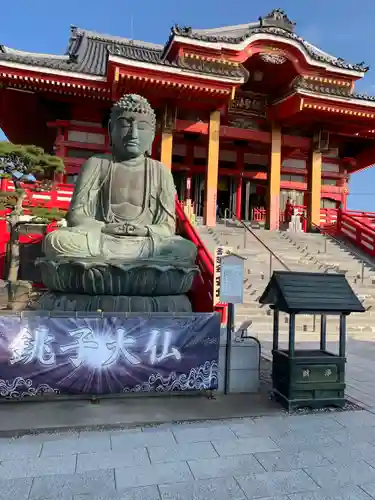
(247,116)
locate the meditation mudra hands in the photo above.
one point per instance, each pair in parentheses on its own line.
(121,229)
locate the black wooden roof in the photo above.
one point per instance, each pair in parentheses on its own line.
(88,51)
(275,23)
(294,292)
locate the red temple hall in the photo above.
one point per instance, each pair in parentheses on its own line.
(248,116)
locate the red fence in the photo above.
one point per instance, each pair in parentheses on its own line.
(202,290)
(358,228)
(58,197)
(328,216)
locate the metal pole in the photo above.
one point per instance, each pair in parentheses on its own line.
(244,237)
(314,322)
(228,350)
(323,332)
(325,244)
(270,264)
(292,334)
(275,330)
(342,335)
(363,271)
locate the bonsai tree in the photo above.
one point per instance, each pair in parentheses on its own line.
(27,163)
(24,165)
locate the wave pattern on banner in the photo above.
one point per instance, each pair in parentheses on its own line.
(200,378)
(19,387)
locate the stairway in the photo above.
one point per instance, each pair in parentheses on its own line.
(299,252)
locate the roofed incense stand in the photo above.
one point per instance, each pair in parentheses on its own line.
(119,251)
(309,377)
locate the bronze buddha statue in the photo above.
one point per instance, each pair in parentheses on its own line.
(121,221)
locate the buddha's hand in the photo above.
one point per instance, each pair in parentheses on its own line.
(125,230)
(134,230)
(115,229)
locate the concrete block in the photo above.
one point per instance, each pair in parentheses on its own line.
(241,381)
(198,434)
(270,484)
(183,451)
(282,461)
(112,459)
(98,444)
(244,374)
(64,486)
(352,452)
(245,446)
(298,441)
(357,419)
(142,439)
(350,493)
(32,467)
(217,489)
(16,448)
(146,493)
(132,477)
(15,489)
(338,476)
(245,355)
(224,466)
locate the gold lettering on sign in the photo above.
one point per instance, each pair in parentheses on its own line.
(248,105)
(219,252)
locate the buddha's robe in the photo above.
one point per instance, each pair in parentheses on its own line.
(137,193)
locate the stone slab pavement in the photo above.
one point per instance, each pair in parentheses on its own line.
(328,456)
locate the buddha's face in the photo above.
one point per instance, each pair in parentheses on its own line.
(132,135)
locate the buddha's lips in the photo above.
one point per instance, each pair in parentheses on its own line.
(132,143)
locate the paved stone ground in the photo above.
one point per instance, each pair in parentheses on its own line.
(311,457)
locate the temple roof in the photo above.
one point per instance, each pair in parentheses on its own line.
(301,292)
(88,51)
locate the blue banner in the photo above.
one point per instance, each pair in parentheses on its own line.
(108,354)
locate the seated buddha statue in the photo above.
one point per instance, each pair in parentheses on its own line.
(120,239)
(123,205)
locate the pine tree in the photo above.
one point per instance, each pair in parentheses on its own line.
(25,164)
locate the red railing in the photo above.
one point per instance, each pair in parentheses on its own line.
(328,216)
(202,291)
(58,197)
(357,230)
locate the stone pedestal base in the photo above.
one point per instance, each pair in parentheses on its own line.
(144,278)
(55,301)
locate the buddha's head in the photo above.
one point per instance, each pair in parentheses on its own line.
(131,127)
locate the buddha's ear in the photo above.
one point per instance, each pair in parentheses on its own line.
(109,132)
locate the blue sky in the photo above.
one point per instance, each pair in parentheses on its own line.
(344,28)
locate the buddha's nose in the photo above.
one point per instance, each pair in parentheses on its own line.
(134,131)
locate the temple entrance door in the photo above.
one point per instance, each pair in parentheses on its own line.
(179,182)
(254,198)
(197,193)
(226,198)
(295,197)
